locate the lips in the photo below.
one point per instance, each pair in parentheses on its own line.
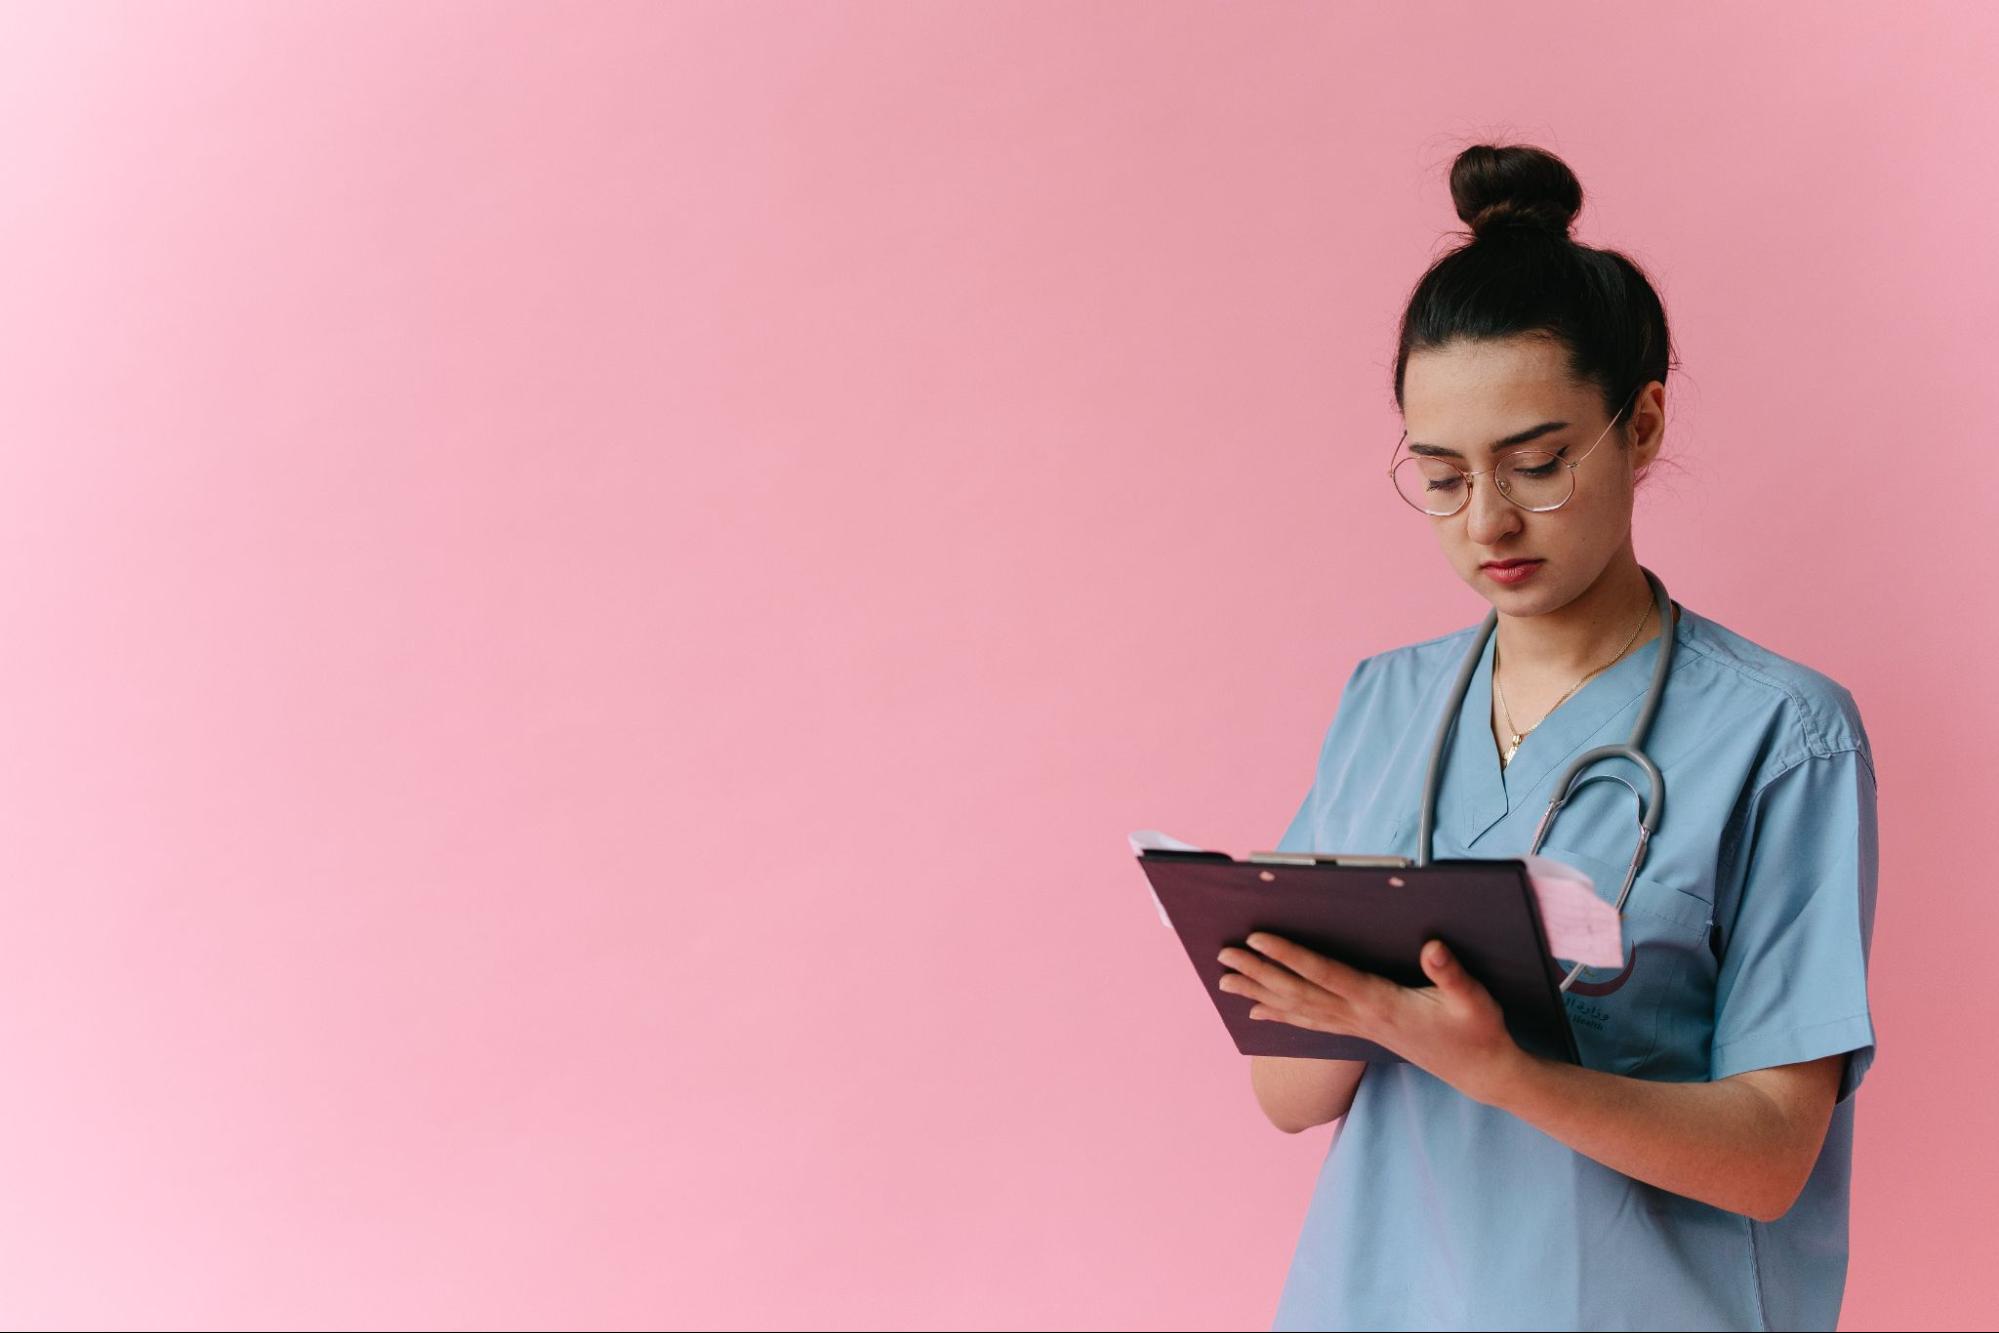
(1510,572)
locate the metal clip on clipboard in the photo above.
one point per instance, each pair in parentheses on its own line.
(1328,859)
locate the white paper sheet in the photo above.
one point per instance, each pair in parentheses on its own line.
(1153,839)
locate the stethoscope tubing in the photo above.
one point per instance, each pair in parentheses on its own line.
(1565,786)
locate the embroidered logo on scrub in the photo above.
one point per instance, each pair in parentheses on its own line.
(1586,1013)
(1616,983)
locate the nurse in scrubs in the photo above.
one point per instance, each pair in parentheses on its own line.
(1693,1172)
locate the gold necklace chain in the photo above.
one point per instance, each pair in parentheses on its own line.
(1506,756)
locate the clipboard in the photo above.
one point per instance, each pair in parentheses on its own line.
(1373,913)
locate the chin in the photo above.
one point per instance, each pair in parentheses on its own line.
(1521,601)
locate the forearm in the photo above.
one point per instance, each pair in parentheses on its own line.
(1745,1143)
(1296,1094)
(1725,1143)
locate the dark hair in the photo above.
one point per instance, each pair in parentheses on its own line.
(1519,273)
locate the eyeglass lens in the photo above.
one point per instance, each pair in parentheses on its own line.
(1531,479)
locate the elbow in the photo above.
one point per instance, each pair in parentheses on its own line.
(1287,1118)
(1781,1194)
(1290,1126)
(1795,1138)
(1770,1213)
(1297,1094)
(1772,1210)
(1763,1212)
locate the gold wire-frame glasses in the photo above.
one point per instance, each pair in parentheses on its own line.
(1424,481)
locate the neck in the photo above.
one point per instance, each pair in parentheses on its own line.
(1586,633)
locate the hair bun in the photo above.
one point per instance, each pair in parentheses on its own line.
(1498,187)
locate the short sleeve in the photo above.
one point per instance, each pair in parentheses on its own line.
(1299,836)
(1793,974)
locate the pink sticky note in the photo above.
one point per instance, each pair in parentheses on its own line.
(1580,926)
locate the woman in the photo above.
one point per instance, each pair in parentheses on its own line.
(1692,1173)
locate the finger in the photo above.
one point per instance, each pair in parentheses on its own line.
(1280,981)
(1316,1009)
(1237,984)
(1321,971)
(1315,1021)
(1444,969)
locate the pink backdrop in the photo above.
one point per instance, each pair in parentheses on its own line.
(588,592)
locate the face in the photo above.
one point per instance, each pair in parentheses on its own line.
(1466,397)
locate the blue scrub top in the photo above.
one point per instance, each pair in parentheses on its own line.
(1746,936)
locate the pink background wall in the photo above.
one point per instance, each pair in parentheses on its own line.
(587,593)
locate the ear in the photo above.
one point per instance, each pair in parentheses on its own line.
(1646,428)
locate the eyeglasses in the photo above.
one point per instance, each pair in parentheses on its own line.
(1533,479)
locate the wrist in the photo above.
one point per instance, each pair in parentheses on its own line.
(1506,1085)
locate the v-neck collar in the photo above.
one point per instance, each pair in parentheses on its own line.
(1478,793)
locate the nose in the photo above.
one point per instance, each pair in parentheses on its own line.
(1489,516)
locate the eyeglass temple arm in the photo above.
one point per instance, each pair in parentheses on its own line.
(1599,440)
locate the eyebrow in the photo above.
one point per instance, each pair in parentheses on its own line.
(1531,433)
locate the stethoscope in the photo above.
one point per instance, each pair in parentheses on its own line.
(1566,786)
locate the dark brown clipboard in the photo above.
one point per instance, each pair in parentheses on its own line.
(1374,917)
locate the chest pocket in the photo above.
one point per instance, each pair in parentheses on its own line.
(1654,1017)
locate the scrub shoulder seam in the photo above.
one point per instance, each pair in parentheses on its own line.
(1816,741)
(1857,750)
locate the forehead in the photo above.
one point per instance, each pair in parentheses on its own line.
(1467,392)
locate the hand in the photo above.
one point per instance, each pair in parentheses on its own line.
(1453,1028)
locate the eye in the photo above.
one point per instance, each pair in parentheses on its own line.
(1535,466)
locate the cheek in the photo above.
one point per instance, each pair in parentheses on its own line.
(1602,515)
(1587,542)
(1610,486)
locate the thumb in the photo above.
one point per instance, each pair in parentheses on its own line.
(1441,966)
